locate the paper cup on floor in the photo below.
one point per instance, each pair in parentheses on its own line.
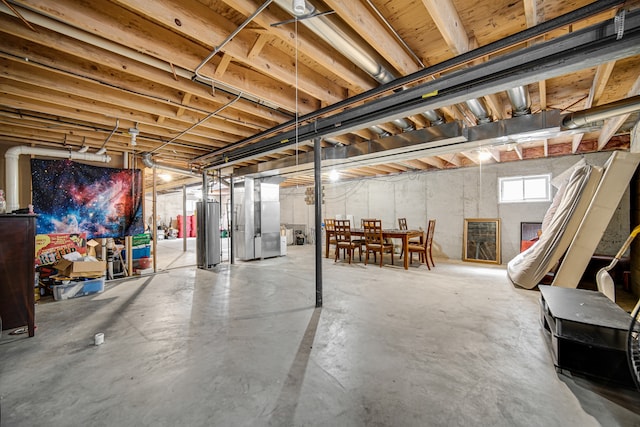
(98,338)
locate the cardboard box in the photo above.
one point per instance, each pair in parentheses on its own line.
(77,288)
(51,247)
(91,247)
(74,269)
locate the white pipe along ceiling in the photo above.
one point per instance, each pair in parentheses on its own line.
(13,154)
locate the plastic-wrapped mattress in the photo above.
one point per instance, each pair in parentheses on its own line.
(560,225)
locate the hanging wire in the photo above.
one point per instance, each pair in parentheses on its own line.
(296,72)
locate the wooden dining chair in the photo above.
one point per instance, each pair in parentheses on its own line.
(329,227)
(374,242)
(343,238)
(431,229)
(360,240)
(424,249)
(402,224)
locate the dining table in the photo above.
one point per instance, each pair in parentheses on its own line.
(389,233)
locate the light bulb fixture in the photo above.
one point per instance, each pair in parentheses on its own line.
(299,7)
(83,149)
(101,151)
(134,132)
(334,175)
(484,155)
(165,177)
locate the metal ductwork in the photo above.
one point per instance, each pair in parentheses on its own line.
(352,49)
(364,57)
(520,100)
(11,158)
(479,109)
(601,112)
(148,162)
(434,117)
(381,132)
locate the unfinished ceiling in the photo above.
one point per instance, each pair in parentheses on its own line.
(384,86)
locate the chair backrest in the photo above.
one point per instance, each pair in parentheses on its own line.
(402,223)
(431,228)
(343,230)
(372,231)
(329,224)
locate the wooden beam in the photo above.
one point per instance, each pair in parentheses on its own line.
(542,91)
(533,12)
(518,150)
(64,53)
(496,107)
(603,72)
(471,155)
(185,100)
(169,41)
(546,147)
(434,161)
(355,79)
(446,18)
(612,125)
(453,158)
(495,153)
(575,142)
(358,16)
(255,50)
(222,66)
(68,90)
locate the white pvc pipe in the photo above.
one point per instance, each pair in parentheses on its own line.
(11,160)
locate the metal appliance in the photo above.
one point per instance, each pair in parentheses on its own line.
(257,219)
(208,234)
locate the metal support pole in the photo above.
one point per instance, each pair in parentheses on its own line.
(318,211)
(232,221)
(203,234)
(220,211)
(154,232)
(184,218)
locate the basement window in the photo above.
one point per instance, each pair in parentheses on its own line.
(521,189)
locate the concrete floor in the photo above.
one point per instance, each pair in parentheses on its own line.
(243,345)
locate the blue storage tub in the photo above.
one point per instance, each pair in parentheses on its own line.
(77,288)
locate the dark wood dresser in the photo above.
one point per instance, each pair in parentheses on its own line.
(17,271)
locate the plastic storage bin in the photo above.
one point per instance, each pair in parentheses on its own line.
(78,288)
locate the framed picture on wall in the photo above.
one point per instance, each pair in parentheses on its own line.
(481,240)
(529,234)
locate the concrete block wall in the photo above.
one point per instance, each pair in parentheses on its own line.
(449,196)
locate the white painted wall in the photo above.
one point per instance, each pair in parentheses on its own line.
(449,196)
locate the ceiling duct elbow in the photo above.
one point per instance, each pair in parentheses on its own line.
(520,100)
(404,124)
(381,132)
(434,117)
(479,109)
(148,162)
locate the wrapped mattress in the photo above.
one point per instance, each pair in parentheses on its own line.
(558,228)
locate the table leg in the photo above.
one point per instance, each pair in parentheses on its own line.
(405,244)
(328,237)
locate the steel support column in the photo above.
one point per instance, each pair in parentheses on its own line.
(318,211)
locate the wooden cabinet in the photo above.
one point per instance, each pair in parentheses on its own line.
(17,272)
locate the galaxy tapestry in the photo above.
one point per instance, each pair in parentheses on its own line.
(71,197)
